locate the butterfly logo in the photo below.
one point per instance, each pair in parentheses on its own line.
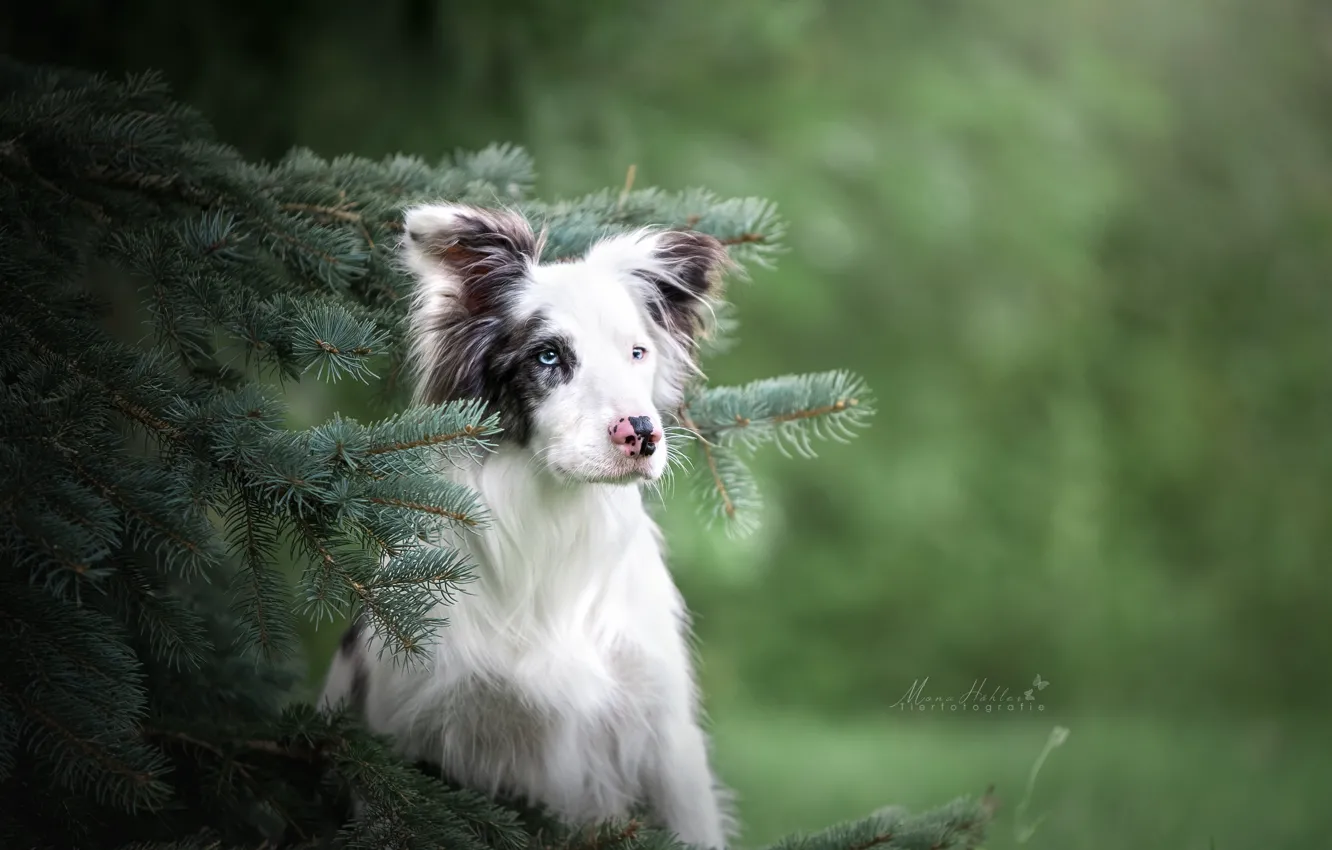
(1038,685)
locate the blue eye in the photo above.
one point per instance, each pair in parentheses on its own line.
(548,357)
(639,352)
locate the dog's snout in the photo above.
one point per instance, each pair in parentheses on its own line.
(635,435)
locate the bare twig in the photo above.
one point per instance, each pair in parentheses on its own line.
(628,187)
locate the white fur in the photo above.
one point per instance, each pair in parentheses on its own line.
(565,673)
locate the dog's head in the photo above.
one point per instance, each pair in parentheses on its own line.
(580,359)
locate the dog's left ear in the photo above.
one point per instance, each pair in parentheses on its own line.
(679,273)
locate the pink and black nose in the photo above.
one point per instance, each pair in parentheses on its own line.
(635,435)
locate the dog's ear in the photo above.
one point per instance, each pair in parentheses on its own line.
(464,257)
(678,271)
(466,261)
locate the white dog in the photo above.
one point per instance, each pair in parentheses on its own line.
(564,675)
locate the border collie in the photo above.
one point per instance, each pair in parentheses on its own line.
(564,676)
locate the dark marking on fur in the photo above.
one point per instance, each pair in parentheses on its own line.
(360,686)
(516,382)
(487,253)
(677,299)
(497,361)
(696,261)
(351,649)
(351,639)
(478,348)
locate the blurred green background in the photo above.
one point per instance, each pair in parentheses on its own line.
(1080,251)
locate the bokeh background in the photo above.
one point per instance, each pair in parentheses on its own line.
(1079,249)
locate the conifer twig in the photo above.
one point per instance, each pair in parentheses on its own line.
(258,745)
(836,407)
(727,504)
(364,593)
(457,516)
(745,239)
(118,400)
(119,499)
(339,213)
(92,749)
(11,149)
(434,440)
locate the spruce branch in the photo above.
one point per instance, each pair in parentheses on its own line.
(14,155)
(204,841)
(154,516)
(258,591)
(336,343)
(428,441)
(398,597)
(175,632)
(130,785)
(131,408)
(415,440)
(790,411)
(264,747)
(343,212)
(959,825)
(434,510)
(441,498)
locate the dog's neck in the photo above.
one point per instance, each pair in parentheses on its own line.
(550,537)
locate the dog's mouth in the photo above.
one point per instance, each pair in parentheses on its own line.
(638,470)
(622,470)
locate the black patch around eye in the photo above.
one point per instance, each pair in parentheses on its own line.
(519,382)
(495,358)
(541,341)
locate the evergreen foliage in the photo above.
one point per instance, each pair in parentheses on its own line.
(146,632)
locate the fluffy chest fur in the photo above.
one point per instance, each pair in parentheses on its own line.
(563,657)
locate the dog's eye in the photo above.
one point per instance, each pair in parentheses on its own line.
(548,357)
(639,352)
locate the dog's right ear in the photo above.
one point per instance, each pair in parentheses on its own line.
(464,257)
(467,262)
